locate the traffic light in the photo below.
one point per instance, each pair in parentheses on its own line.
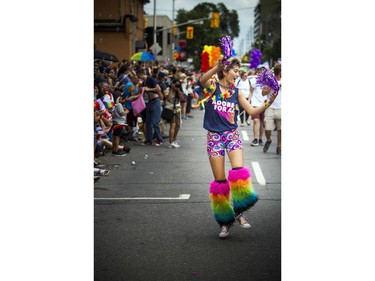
(215,19)
(189,32)
(174,30)
(145,22)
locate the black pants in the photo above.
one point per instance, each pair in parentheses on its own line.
(188,105)
(242,115)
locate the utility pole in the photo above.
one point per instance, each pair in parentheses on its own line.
(154,22)
(173,36)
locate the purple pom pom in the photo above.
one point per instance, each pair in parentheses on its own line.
(255,58)
(267,78)
(226,46)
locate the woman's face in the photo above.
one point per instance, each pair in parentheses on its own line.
(112,73)
(232,75)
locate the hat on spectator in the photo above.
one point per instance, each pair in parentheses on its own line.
(260,66)
(182,76)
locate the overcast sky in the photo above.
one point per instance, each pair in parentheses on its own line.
(244,8)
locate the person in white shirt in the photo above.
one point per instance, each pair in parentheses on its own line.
(257,100)
(185,93)
(273,115)
(243,84)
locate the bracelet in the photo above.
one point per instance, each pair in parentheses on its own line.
(266,104)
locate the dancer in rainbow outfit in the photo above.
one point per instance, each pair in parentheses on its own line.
(220,120)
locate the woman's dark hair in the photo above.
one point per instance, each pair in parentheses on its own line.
(176,82)
(232,63)
(141,71)
(123,68)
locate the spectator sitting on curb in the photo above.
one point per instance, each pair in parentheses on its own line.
(106,136)
(119,123)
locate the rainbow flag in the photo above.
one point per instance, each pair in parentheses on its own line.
(108,101)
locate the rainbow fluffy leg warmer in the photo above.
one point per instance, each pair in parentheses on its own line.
(243,194)
(220,202)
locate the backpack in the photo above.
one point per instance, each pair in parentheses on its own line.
(241,79)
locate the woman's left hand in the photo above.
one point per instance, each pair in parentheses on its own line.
(273,97)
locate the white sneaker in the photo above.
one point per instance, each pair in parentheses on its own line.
(243,221)
(224,231)
(174,144)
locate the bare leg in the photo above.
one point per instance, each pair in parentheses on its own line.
(236,158)
(256,128)
(116,142)
(177,123)
(218,167)
(106,143)
(172,128)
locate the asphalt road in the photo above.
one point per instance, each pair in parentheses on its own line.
(153,221)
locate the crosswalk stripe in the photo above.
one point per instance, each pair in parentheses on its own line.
(258,173)
(180,197)
(245,136)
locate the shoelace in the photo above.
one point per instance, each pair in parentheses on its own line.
(242,219)
(224,229)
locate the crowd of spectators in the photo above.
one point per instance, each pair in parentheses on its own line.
(117,125)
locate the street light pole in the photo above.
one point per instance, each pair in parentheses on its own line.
(154,22)
(173,36)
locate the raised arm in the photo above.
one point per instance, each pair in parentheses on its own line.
(132,96)
(205,79)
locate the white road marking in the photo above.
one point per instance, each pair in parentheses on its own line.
(258,173)
(244,135)
(180,197)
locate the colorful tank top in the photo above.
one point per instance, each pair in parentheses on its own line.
(221,114)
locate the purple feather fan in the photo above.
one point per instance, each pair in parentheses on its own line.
(267,78)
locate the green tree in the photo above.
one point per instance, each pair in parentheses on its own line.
(269,52)
(203,33)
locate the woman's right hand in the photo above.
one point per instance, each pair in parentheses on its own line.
(221,64)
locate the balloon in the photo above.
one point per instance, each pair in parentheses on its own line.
(255,58)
